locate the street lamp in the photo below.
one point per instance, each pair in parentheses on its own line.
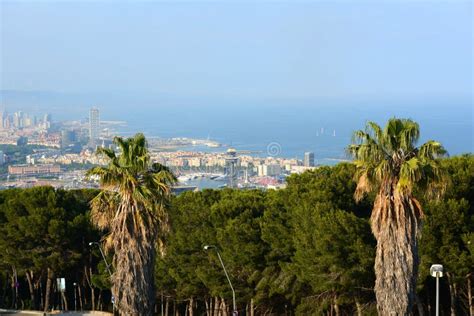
(75,300)
(436,271)
(92,243)
(208,247)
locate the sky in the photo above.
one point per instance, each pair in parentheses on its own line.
(258,49)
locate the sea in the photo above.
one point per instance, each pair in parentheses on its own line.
(284,127)
(289,131)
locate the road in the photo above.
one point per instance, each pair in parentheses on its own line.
(33,313)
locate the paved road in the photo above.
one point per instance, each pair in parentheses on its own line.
(19,313)
(31,313)
(16,314)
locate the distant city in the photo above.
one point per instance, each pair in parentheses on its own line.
(40,151)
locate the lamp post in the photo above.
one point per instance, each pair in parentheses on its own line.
(234,308)
(92,243)
(436,271)
(75,299)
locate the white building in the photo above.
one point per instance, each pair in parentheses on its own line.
(309,159)
(268,170)
(300,169)
(94,125)
(195,162)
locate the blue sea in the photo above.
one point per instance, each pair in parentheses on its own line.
(283,127)
(324,128)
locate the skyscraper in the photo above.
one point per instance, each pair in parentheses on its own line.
(17,119)
(47,121)
(309,159)
(3,117)
(94,126)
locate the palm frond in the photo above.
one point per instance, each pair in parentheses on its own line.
(103,208)
(389,155)
(134,192)
(409,135)
(432,150)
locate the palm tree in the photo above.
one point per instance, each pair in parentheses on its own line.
(389,163)
(132,207)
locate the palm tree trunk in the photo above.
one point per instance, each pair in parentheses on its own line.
(395,224)
(134,259)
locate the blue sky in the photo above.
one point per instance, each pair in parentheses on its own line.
(249,49)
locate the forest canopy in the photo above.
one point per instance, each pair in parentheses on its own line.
(305,250)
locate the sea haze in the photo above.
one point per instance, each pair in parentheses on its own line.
(323,126)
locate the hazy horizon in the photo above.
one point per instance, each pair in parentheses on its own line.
(252,124)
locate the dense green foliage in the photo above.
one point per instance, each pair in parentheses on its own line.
(305,250)
(448,237)
(43,230)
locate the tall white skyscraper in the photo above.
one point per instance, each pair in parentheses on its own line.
(3,118)
(47,121)
(94,125)
(309,159)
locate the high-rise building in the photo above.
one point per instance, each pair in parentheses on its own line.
(309,159)
(27,122)
(47,121)
(17,119)
(94,125)
(3,118)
